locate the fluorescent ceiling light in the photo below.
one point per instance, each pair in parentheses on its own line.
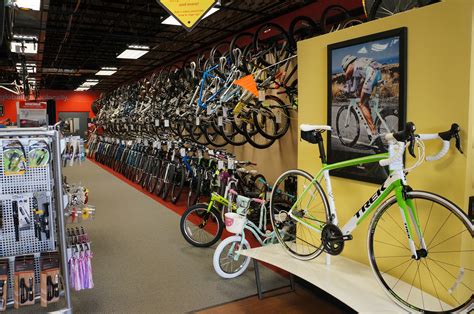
(81,89)
(106,71)
(16,46)
(26,37)
(171,20)
(134,52)
(28,4)
(30,67)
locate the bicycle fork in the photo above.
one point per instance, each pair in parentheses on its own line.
(411,221)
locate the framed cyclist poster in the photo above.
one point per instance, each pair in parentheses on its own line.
(366,99)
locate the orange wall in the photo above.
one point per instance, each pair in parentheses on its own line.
(66,101)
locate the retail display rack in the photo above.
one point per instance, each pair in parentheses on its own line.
(37,183)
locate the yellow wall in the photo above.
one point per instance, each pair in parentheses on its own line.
(440,91)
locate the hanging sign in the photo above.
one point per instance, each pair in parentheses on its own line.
(188,12)
(32,113)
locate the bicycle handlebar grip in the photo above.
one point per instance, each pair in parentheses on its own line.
(386,162)
(444,150)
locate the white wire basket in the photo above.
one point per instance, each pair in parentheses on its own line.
(234,223)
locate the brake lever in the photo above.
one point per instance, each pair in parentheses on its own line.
(411,146)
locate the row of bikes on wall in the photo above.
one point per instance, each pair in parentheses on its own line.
(167,133)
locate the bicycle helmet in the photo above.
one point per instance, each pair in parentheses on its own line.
(348,59)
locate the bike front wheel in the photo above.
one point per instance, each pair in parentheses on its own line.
(347,126)
(300,233)
(200,227)
(227,261)
(441,279)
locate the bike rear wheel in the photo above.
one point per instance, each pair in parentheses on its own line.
(293,232)
(442,280)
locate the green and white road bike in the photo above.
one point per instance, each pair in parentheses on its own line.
(420,245)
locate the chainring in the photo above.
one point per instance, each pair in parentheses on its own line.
(331,236)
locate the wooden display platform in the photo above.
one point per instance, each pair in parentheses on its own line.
(350,282)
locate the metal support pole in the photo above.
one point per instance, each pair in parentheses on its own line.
(257,279)
(60,212)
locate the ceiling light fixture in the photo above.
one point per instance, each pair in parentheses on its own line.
(28,4)
(134,52)
(171,20)
(81,89)
(106,71)
(29,47)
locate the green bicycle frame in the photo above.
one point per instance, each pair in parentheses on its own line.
(394,183)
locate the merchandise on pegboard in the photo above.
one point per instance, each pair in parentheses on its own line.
(79,259)
(73,150)
(77,209)
(30,198)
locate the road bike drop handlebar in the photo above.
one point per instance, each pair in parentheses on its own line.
(408,136)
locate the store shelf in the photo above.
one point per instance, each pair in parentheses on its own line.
(351,282)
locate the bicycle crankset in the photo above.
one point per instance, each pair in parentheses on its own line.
(333,239)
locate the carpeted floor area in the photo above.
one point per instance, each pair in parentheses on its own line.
(141,262)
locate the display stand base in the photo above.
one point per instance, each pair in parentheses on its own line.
(348,281)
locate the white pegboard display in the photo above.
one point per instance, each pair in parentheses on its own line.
(35,185)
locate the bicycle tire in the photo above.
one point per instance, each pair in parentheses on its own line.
(329,13)
(235,242)
(284,226)
(383,8)
(457,235)
(350,141)
(202,216)
(178,184)
(281,110)
(285,46)
(257,140)
(312,29)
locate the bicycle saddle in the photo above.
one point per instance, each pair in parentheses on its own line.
(314,127)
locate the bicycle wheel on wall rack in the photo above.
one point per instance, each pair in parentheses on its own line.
(299,240)
(376,9)
(333,18)
(272,120)
(442,278)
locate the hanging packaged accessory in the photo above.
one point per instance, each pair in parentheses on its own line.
(3,284)
(21,215)
(39,154)
(24,281)
(49,278)
(42,216)
(14,158)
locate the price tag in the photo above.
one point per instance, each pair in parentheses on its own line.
(220,121)
(158,145)
(198,121)
(126,127)
(139,140)
(145,142)
(123,142)
(200,154)
(177,111)
(132,127)
(209,110)
(167,123)
(117,141)
(268,194)
(157,122)
(168,145)
(278,117)
(182,152)
(261,95)
(224,112)
(220,164)
(231,163)
(155,144)
(211,152)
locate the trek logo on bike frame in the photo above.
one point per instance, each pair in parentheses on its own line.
(370,202)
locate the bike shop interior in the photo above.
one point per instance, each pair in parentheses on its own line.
(211,156)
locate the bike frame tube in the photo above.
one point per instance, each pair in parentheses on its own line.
(325,172)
